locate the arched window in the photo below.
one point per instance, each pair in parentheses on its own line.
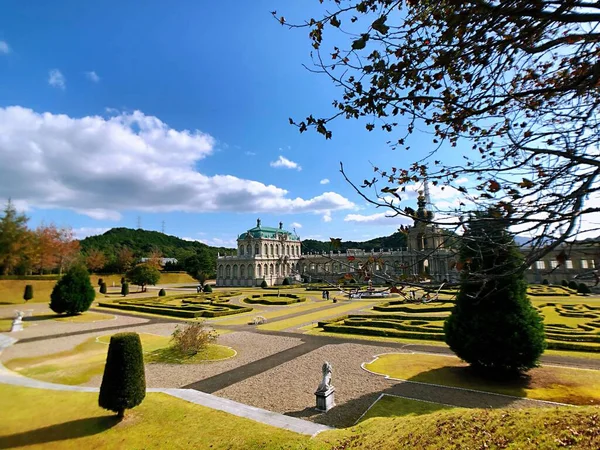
(326,267)
(271,270)
(235,271)
(266,250)
(277,249)
(272,250)
(248,250)
(256,249)
(266,270)
(242,272)
(250,270)
(259,267)
(220,271)
(228,271)
(241,250)
(287,249)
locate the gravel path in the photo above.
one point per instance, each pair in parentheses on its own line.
(249,346)
(289,388)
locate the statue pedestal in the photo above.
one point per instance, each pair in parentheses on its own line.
(325,399)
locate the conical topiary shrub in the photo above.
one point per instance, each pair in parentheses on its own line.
(162,293)
(125,289)
(583,289)
(103,288)
(264,284)
(123,383)
(73,293)
(207,288)
(573,285)
(28,294)
(493,325)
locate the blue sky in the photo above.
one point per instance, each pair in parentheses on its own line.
(176,112)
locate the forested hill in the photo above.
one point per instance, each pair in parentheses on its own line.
(396,240)
(143,242)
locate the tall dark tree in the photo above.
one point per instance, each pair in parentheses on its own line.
(200,266)
(512,84)
(73,293)
(123,383)
(493,325)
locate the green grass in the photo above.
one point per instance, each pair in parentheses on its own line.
(556,384)
(270,314)
(315,316)
(32,420)
(78,365)
(169,355)
(11,291)
(392,406)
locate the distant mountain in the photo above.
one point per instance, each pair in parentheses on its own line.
(143,242)
(396,241)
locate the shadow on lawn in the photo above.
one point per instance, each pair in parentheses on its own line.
(60,432)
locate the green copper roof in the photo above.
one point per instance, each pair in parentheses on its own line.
(268,233)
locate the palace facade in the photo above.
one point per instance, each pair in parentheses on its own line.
(273,254)
(263,253)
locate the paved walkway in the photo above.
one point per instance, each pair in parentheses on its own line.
(210,401)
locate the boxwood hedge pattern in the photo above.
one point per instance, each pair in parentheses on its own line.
(185,306)
(426,322)
(274,299)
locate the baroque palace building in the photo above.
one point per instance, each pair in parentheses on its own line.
(263,253)
(273,254)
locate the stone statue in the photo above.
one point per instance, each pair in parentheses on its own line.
(258,223)
(17,324)
(326,382)
(281,225)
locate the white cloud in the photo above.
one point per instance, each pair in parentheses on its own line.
(92,76)
(327,216)
(324,181)
(217,242)
(286,163)
(102,166)
(56,79)
(81,233)
(378,219)
(249,153)
(295,225)
(4,48)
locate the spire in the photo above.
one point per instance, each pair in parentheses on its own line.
(427,197)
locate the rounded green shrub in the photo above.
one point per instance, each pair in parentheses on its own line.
(125,289)
(573,284)
(100,282)
(103,288)
(264,284)
(123,383)
(545,282)
(493,325)
(73,293)
(28,294)
(583,289)
(162,293)
(564,283)
(207,288)
(286,282)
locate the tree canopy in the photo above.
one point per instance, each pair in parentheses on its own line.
(514,85)
(143,274)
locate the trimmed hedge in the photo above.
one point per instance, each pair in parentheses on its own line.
(274,299)
(52,277)
(174,311)
(382,332)
(123,382)
(28,294)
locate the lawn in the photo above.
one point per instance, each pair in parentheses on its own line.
(269,314)
(78,365)
(556,384)
(168,355)
(31,420)
(315,316)
(393,406)
(11,291)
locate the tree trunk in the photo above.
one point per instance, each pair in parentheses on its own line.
(121,414)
